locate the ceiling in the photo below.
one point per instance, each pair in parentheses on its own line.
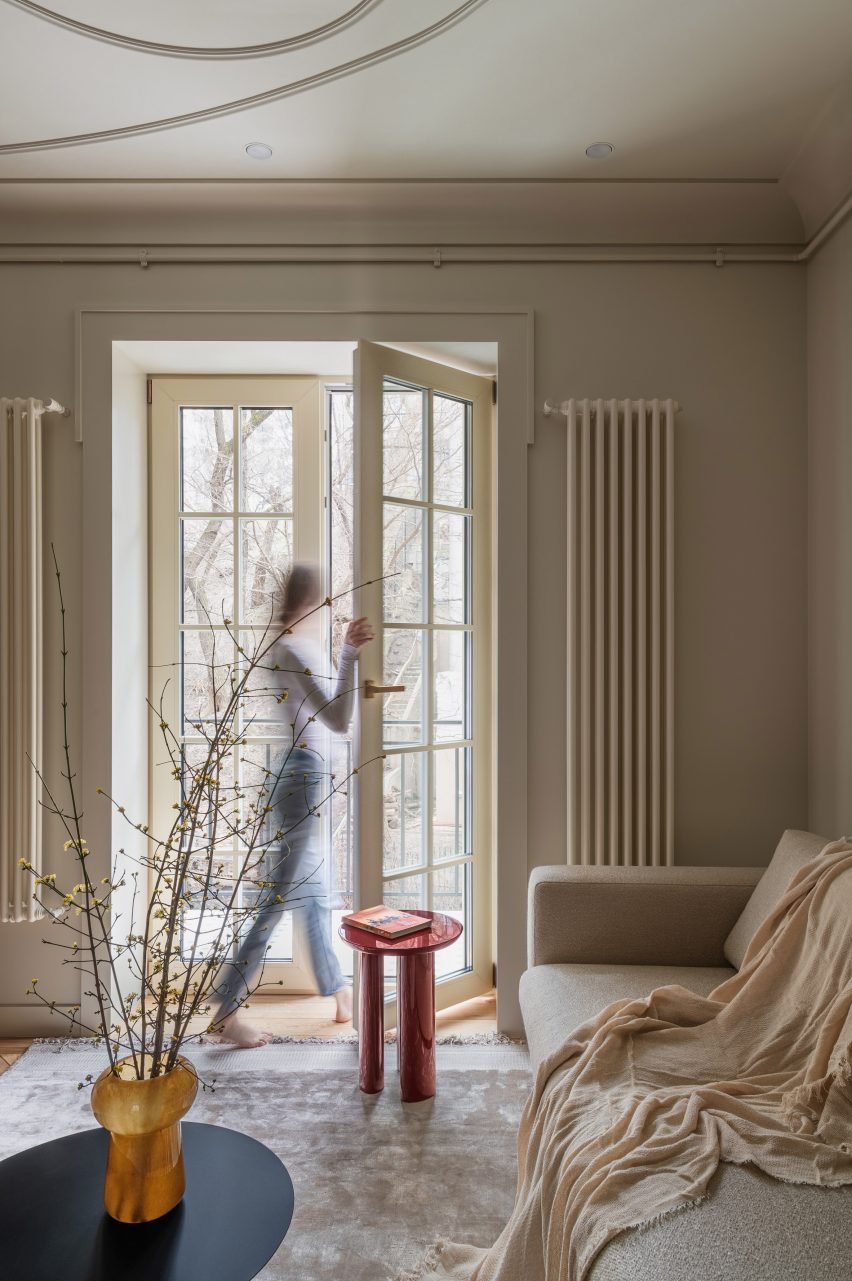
(326,359)
(684,90)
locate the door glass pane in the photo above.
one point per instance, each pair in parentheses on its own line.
(403,712)
(451,893)
(449,451)
(267,554)
(259,767)
(221,867)
(265,712)
(207,928)
(337,813)
(402,440)
(280,938)
(402,564)
(451,665)
(404,894)
(266,441)
(207,665)
(206,459)
(195,762)
(404,795)
(449,568)
(207,567)
(450,803)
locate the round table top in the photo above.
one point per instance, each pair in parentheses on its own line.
(445,930)
(234,1215)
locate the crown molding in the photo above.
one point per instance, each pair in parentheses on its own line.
(276,94)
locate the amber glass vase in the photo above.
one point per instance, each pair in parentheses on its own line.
(144,1176)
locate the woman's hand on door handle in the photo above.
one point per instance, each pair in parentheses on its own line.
(359,633)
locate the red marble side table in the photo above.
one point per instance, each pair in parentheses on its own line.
(415,1004)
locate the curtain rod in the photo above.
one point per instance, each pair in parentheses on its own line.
(343,254)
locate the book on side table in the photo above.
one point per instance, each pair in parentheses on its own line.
(387,922)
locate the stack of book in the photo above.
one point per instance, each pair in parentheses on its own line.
(387,922)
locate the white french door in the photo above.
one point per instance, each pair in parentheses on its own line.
(422,560)
(249,474)
(236,495)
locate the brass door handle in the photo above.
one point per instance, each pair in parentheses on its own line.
(371,689)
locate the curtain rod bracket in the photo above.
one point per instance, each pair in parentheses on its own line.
(54,407)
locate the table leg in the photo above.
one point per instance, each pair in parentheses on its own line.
(371,1023)
(416,1018)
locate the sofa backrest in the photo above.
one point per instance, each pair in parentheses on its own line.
(795,849)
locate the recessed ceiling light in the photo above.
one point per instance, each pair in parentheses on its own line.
(599,150)
(258,151)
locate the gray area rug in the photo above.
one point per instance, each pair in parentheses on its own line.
(377,1181)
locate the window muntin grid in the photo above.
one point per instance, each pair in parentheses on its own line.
(428,532)
(235,535)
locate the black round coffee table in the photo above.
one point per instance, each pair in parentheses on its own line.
(236,1212)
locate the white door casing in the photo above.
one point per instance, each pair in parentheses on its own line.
(112,357)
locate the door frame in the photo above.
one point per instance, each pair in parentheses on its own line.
(109,375)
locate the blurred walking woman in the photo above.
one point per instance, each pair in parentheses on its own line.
(299,784)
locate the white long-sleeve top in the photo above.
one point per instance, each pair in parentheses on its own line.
(314,697)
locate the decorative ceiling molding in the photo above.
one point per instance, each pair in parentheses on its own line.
(92,32)
(253,100)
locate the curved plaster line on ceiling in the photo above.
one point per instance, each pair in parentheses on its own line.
(255,100)
(193,51)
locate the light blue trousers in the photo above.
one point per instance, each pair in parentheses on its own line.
(294,872)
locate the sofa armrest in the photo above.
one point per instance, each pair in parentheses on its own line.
(634,915)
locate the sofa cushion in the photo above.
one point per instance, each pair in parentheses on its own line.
(749,1228)
(795,849)
(557,998)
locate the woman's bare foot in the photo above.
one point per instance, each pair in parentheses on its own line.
(237,1029)
(343,999)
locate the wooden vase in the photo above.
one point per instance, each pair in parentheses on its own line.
(144,1176)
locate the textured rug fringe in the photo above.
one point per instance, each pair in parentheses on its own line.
(477,1038)
(427,1265)
(347,1038)
(351,1038)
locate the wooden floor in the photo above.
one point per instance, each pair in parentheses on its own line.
(312,1016)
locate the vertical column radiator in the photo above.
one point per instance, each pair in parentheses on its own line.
(620,631)
(20,654)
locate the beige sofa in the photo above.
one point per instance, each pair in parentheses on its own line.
(597,934)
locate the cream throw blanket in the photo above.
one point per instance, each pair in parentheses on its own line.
(630,1118)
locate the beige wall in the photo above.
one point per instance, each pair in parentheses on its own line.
(728,344)
(829,328)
